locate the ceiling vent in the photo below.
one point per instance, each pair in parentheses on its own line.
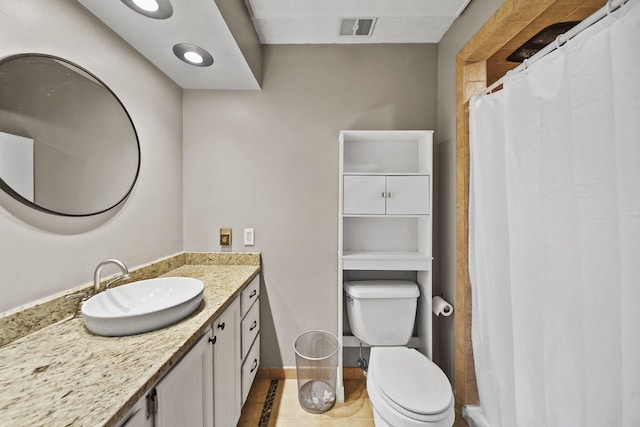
(357,27)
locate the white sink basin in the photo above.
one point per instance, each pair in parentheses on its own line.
(142,306)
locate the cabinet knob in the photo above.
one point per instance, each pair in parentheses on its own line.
(213,340)
(389,195)
(383,194)
(221,326)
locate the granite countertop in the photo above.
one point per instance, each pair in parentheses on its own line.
(63,375)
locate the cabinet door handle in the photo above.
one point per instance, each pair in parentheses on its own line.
(253,325)
(254,293)
(255,365)
(152,405)
(389,195)
(221,326)
(383,194)
(213,340)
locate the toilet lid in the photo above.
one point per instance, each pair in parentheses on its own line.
(410,381)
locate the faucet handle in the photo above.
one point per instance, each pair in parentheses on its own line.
(83,296)
(117,279)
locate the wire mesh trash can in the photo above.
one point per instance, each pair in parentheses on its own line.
(317,369)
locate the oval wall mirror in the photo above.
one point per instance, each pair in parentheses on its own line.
(67,144)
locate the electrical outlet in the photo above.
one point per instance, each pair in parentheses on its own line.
(225,237)
(249,237)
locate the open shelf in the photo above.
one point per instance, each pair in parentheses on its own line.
(384,174)
(385,260)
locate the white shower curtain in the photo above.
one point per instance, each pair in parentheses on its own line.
(554,235)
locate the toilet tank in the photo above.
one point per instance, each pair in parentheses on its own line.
(382,312)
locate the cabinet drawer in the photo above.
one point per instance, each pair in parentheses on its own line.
(249,295)
(250,328)
(250,368)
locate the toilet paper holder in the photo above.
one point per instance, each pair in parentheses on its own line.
(441,307)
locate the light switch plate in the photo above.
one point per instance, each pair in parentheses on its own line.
(249,237)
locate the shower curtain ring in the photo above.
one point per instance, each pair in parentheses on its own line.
(559,42)
(609,7)
(526,63)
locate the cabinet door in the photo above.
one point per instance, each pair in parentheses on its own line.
(185,394)
(364,195)
(408,195)
(226,367)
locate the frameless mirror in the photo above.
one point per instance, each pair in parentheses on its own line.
(67,144)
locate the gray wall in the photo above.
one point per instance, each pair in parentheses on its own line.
(269,160)
(473,18)
(266,159)
(42,254)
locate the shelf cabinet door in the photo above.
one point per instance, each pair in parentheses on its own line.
(390,195)
(364,195)
(407,195)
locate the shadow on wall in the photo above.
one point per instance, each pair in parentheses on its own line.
(383,115)
(444,267)
(269,341)
(24,215)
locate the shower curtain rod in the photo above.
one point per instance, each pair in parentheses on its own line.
(610,7)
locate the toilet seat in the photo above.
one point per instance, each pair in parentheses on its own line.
(410,384)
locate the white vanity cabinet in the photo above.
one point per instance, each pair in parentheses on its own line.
(226,366)
(210,383)
(184,396)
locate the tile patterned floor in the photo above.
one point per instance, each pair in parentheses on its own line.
(283,409)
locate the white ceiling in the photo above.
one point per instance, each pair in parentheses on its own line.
(197,22)
(317,21)
(200,22)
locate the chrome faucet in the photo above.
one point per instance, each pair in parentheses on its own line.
(96,275)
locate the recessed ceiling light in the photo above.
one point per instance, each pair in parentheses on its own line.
(148,5)
(193,55)
(157,9)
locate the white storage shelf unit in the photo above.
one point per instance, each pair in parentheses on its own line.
(385,221)
(385,194)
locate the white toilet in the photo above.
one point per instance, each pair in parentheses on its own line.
(405,387)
